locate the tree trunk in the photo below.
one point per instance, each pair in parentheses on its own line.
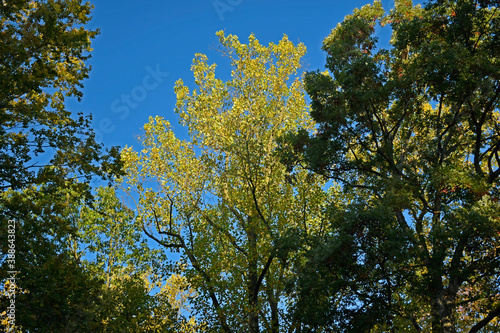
(273,304)
(442,313)
(253,278)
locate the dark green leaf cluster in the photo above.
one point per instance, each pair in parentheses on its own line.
(412,135)
(47,158)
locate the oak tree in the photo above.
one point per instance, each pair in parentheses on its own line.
(412,135)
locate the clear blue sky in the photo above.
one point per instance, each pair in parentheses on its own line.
(142,41)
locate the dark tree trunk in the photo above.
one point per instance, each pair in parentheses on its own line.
(273,304)
(253,281)
(443,320)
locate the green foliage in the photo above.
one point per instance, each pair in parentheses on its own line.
(222,198)
(117,254)
(57,292)
(42,53)
(45,153)
(109,232)
(406,240)
(411,131)
(60,295)
(348,279)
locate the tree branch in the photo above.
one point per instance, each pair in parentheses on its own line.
(494,313)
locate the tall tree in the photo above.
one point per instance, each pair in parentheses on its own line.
(412,134)
(222,198)
(47,155)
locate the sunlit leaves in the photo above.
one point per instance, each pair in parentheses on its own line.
(222,198)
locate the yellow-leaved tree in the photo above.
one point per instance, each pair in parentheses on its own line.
(222,198)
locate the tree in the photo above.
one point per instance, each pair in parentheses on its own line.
(173,306)
(44,47)
(47,155)
(222,198)
(130,270)
(107,231)
(58,293)
(412,131)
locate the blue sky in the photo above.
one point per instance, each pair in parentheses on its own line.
(145,46)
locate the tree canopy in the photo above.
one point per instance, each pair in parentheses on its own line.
(412,135)
(222,199)
(43,53)
(47,157)
(373,208)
